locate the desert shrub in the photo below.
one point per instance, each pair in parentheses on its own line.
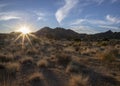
(27,65)
(2,71)
(76,49)
(26,60)
(73,67)
(35,41)
(31,52)
(102,43)
(12,68)
(110,55)
(78,80)
(5,58)
(36,79)
(8,71)
(63,59)
(42,63)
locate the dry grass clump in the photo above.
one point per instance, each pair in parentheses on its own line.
(102,43)
(63,59)
(26,60)
(5,58)
(110,55)
(8,70)
(77,48)
(12,67)
(2,71)
(27,65)
(43,63)
(73,67)
(79,80)
(36,79)
(31,52)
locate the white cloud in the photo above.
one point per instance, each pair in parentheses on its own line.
(99,1)
(84,29)
(65,10)
(78,21)
(113,1)
(41,18)
(3,5)
(5,18)
(91,21)
(112,19)
(109,27)
(97,22)
(109,20)
(40,15)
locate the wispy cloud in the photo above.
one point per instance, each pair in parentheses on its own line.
(78,21)
(109,20)
(98,1)
(112,19)
(65,10)
(3,5)
(91,21)
(6,18)
(109,27)
(113,1)
(40,15)
(84,29)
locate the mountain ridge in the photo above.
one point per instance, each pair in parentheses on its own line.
(59,33)
(62,33)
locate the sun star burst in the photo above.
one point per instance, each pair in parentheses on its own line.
(24,34)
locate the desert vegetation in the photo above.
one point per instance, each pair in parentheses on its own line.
(50,62)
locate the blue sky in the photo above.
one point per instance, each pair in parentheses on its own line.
(82,16)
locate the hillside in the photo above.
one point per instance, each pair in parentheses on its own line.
(61,33)
(57,33)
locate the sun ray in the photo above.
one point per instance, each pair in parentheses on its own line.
(18,37)
(23,40)
(29,40)
(25,35)
(33,36)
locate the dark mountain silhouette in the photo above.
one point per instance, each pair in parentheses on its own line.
(61,33)
(57,33)
(105,36)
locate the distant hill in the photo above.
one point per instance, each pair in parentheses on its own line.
(57,33)
(61,33)
(105,36)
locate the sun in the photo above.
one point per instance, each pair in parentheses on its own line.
(25,35)
(24,30)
